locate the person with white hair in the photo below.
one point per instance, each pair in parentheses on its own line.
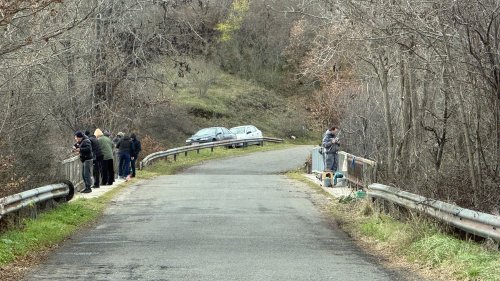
(107,168)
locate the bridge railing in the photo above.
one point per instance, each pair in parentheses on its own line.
(71,169)
(362,172)
(185,149)
(357,170)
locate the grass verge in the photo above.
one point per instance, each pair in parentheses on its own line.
(419,241)
(54,226)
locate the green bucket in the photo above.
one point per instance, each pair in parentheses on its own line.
(360,194)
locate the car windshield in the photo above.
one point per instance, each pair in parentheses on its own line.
(238,130)
(206,131)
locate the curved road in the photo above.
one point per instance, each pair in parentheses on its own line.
(232,219)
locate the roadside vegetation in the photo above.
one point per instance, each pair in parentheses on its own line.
(49,229)
(414,240)
(52,227)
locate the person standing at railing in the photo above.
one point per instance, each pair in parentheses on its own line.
(107,168)
(97,161)
(136,143)
(125,150)
(83,147)
(117,138)
(331,146)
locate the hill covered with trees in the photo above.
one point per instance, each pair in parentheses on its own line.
(413,85)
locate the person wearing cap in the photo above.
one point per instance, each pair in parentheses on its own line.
(125,150)
(118,137)
(331,145)
(83,147)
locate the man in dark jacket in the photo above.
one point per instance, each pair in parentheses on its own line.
(137,148)
(97,161)
(125,150)
(331,146)
(83,147)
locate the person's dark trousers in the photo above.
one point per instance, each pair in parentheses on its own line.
(132,165)
(108,172)
(124,165)
(86,166)
(335,161)
(112,174)
(97,171)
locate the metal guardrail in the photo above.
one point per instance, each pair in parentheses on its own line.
(28,198)
(362,172)
(71,171)
(185,149)
(473,222)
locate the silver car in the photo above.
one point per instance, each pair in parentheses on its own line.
(246,132)
(210,134)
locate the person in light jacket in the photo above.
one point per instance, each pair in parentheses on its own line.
(107,168)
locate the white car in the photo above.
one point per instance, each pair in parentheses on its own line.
(246,132)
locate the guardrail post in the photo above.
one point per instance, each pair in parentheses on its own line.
(197,151)
(175,157)
(186,153)
(212,149)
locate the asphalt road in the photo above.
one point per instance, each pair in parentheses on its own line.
(233,219)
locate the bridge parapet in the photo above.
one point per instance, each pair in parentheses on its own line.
(357,170)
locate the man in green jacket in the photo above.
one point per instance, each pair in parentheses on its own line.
(106,144)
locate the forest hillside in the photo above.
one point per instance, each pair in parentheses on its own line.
(413,85)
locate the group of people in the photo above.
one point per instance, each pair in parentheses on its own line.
(97,151)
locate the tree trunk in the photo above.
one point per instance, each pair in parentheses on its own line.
(101,91)
(468,143)
(415,107)
(388,119)
(403,155)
